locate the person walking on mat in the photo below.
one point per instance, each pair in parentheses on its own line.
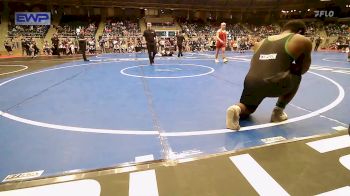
(150,36)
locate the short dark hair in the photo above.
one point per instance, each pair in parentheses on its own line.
(295,26)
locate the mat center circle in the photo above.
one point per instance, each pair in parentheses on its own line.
(171,71)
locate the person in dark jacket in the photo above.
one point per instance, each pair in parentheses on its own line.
(82,44)
(150,36)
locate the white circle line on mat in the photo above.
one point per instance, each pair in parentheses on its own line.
(123,71)
(22,69)
(337,101)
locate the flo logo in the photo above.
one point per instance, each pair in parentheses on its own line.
(323,13)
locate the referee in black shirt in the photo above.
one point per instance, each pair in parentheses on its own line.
(150,36)
(179,41)
(82,44)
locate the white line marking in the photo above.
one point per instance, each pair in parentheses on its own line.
(211,70)
(332,67)
(92,60)
(261,181)
(144,158)
(49,59)
(239,59)
(339,128)
(296,119)
(80,187)
(169,134)
(341,71)
(330,144)
(324,69)
(334,61)
(322,116)
(345,161)
(143,183)
(344,191)
(77,129)
(22,69)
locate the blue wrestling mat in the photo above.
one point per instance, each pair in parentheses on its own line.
(82,116)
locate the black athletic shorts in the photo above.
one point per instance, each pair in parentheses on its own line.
(256,90)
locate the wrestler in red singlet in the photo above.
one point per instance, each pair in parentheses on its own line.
(221,39)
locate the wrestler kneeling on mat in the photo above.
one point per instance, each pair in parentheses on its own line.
(221,39)
(276,70)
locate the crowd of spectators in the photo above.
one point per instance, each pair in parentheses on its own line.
(69,30)
(70,26)
(37,31)
(337,29)
(69,46)
(264,31)
(122,36)
(121,28)
(120,44)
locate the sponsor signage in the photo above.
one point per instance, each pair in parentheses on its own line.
(33,18)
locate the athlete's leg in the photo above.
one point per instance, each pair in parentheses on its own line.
(278,114)
(216,55)
(154,53)
(223,49)
(249,102)
(149,54)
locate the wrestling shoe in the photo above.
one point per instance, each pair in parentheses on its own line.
(225,60)
(232,117)
(278,115)
(216,60)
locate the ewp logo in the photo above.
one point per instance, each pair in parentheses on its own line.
(33,18)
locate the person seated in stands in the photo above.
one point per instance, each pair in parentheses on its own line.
(91,46)
(36,50)
(8,47)
(47,48)
(101,43)
(72,47)
(124,47)
(116,46)
(61,48)
(27,47)
(166,52)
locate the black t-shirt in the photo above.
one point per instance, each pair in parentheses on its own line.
(318,40)
(150,36)
(82,42)
(180,39)
(55,41)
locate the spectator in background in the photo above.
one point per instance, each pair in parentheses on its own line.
(55,42)
(23,44)
(101,43)
(318,43)
(34,49)
(8,47)
(47,48)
